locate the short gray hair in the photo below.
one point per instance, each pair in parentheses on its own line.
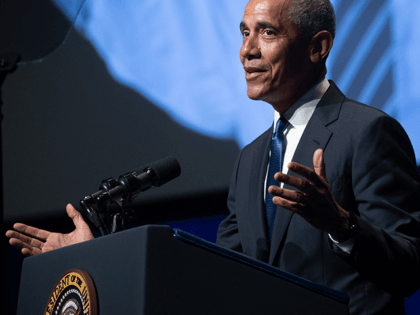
(313,16)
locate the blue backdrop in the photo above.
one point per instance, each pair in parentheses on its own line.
(184,56)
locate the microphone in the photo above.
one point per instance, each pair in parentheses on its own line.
(132,183)
(128,186)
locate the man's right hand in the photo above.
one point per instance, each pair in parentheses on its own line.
(32,241)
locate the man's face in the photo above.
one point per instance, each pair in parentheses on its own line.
(272,51)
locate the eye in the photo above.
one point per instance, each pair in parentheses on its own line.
(245,33)
(268,32)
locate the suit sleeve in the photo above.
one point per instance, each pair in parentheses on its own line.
(386,189)
(228,233)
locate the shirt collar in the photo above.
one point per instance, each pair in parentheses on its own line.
(301,111)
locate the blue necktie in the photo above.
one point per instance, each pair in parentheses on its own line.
(275,166)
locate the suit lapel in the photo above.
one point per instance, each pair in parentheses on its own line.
(315,136)
(256,208)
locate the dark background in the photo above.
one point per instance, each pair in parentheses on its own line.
(67,125)
(61,138)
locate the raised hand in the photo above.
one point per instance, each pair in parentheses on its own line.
(313,201)
(32,241)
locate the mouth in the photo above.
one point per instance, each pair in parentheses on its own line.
(249,69)
(252,72)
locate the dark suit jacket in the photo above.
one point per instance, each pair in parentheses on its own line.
(371,170)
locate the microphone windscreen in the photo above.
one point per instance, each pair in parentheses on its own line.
(166,170)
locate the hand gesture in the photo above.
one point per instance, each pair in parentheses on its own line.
(32,241)
(313,201)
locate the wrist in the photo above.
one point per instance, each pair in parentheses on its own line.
(348,229)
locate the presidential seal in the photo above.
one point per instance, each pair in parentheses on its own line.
(73,294)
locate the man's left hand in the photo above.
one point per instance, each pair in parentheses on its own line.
(313,201)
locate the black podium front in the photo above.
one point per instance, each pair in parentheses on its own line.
(152,270)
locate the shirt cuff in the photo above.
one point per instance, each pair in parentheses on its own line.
(345,246)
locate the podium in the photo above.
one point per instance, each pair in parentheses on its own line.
(154,270)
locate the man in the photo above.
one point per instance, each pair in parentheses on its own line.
(352,223)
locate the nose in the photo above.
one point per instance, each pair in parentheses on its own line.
(250,49)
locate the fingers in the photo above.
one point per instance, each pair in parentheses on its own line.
(319,165)
(26,248)
(288,199)
(31,231)
(290,195)
(29,244)
(317,177)
(27,252)
(289,205)
(305,172)
(31,251)
(24,239)
(75,216)
(72,212)
(299,183)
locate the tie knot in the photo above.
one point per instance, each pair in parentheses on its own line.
(282,124)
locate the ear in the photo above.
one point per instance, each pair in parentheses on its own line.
(320,46)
